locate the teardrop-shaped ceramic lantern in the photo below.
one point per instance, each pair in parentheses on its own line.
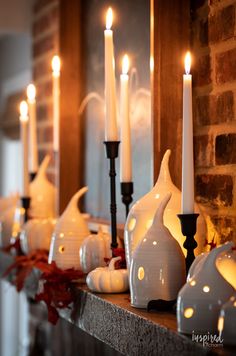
(43,194)
(227,322)
(141,215)
(70,231)
(201,298)
(158,265)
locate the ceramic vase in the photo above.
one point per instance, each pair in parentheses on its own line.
(37,234)
(227,322)
(200,300)
(43,194)
(141,214)
(158,265)
(70,231)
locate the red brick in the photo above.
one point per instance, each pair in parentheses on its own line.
(40,4)
(45,22)
(203,32)
(44,112)
(203,151)
(215,109)
(44,45)
(226,66)
(42,68)
(214,190)
(45,134)
(202,71)
(221,25)
(225,227)
(44,90)
(225,149)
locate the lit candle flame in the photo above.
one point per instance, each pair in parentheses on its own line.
(31,92)
(125,64)
(109,18)
(24,111)
(187,62)
(56,65)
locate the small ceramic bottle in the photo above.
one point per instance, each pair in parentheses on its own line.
(141,214)
(70,231)
(200,300)
(158,266)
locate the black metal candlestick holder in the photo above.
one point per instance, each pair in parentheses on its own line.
(112,150)
(189,228)
(127,189)
(25,203)
(32,175)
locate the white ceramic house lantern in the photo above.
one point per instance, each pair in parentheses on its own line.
(141,215)
(227,322)
(157,269)
(94,249)
(201,298)
(43,194)
(70,231)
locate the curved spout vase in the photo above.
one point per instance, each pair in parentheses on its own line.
(157,269)
(200,300)
(70,231)
(43,194)
(141,215)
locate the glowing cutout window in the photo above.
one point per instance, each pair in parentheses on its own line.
(132,36)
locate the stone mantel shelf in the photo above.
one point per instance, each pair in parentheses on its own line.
(131,331)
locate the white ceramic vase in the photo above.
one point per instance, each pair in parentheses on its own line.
(36,234)
(141,214)
(43,194)
(70,231)
(200,300)
(158,265)
(227,322)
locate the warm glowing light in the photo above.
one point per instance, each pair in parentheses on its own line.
(188,313)
(151,64)
(192,283)
(23,111)
(234,304)
(132,224)
(154,243)
(187,62)
(141,273)
(149,224)
(61,249)
(125,64)
(31,92)
(56,65)
(157,196)
(220,323)
(109,18)
(206,289)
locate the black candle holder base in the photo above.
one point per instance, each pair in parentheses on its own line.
(25,203)
(32,175)
(189,228)
(112,150)
(127,189)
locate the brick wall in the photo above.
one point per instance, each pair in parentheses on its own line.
(214,50)
(45,30)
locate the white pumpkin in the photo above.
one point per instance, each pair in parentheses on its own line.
(36,234)
(108,279)
(94,249)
